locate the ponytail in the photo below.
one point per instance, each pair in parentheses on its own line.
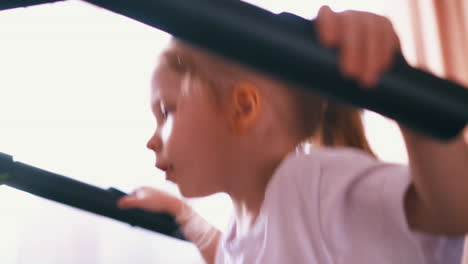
(342,126)
(328,123)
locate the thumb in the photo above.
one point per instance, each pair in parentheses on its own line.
(327,22)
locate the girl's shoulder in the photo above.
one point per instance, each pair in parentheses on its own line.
(345,155)
(353,204)
(339,162)
(345,170)
(321,169)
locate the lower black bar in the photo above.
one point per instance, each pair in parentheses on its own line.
(81,195)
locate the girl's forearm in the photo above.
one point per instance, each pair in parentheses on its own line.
(205,237)
(197,230)
(208,252)
(439,172)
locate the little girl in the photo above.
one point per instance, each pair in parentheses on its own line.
(222,127)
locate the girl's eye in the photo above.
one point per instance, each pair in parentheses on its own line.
(166,111)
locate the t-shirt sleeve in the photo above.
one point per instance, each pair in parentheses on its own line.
(361,213)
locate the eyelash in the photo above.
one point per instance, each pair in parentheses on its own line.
(165,111)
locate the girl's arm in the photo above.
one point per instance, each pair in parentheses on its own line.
(194,227)
(437,201)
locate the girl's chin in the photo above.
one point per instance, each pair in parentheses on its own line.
(170,179)
(189,193)
(192,192)
(170,176)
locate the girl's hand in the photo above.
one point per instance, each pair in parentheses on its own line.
(152,200)
(367,43)
(193,226)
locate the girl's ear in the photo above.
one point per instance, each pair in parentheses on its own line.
(245,106)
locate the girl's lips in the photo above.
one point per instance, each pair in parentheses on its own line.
(162,167)
(167,170)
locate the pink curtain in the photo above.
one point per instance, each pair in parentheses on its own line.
(434,36)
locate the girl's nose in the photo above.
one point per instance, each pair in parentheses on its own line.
(155,143)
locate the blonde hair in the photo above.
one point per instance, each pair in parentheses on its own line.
(315,119)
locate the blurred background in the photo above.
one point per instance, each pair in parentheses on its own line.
(74,86)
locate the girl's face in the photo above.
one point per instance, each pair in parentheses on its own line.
(192,140)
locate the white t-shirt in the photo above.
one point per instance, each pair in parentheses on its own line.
(336,205)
